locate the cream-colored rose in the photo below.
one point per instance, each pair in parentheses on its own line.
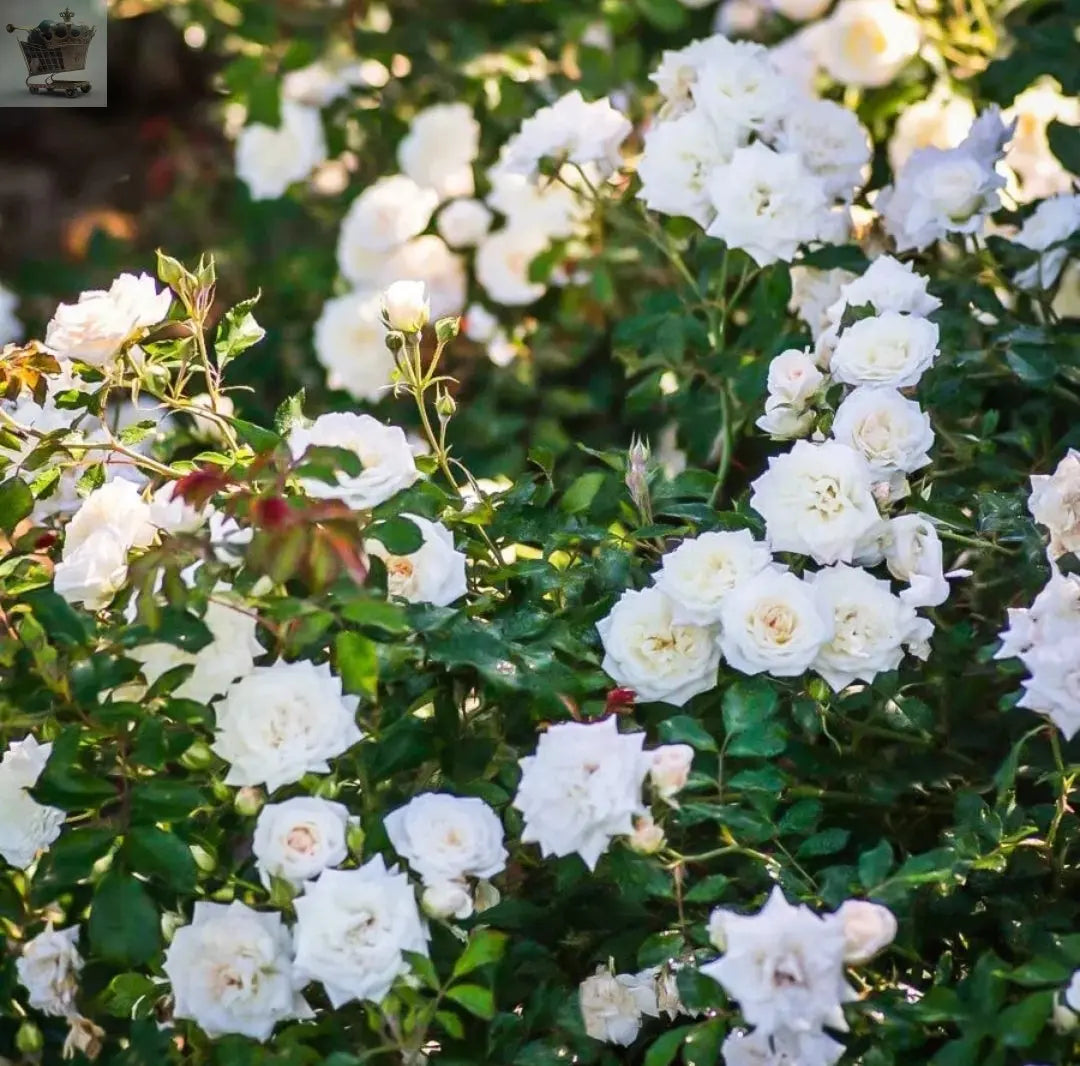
(405,306)
(868,928)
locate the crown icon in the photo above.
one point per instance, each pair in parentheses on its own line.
(67,14)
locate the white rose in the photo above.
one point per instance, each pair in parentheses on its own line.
(1053,689)
(1030,158)
(659,658)
(269,159)
(742,90)
(463,223)
(571,129)
(670,769)
(502,265)
(794,379)
(95,571)
(868,928)
(832,143)
(352,927)
(582,788)
(816,500)
(867,42)
(679,155)
(891,432)
(283,721)
(887,285)
(871,626)
(386,214)
(701,571)
(889,349)
(350,342)
(49,968)
(773,623)
(173,514)
(942,120)
(137,295)
(913,554)
(767,203)
(116,506)
(1054,220)
(447,899)
(231,971)
(447,838)
(91,331)
(383,450)
(797,58)
(783,1047)
(297,839)
(647,838)
(438,151)
(609,1008)
(785,968)
(784,422)
(1055,503)
(26,827)
(479,324)
(321,83)
(813,292)
(552,210)
(204,427)
(230,655)
(427,259)
(434,573)
(405,306)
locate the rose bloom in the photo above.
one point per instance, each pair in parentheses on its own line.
(447,899)
(892,433)
(913,554)
(813,292)
(816,500)
(889,349)
(1053,689)
(118,506)
(868,928)
(702,570)
(352,928)
(871,626)
(942,120)
(610,1008)
(741,91)
(405,306)
(283,721)
(1054,221)
(438,151)
(866,42)
(463,223)
(582,788)
(350,342)
(95,571)
(231,971)
(502,265)
(794,379)
(886,285)
(434,573)
(384,452)
(269,159)
(447,838)
(670,769)
(772,623)
(553,209)
(784,966)
(832,143)
(297,839)
(1030,157)
(385,215)
(428,259)
(783,1047)
(647,650)
(49,968)
(1055,503)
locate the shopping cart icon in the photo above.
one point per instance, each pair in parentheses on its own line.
(51,48)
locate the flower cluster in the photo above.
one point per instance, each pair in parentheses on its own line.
(747,153)
(784,966)
(614,1006)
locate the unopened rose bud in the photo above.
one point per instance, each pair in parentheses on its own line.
(637,479)
(249,800)
(486,896)
(395,341)
(670,769)
(446,329)
(868,928)
(405,306)
(619,700)
(647,837)
(29,1039)
(445,406)
(447,899)
(197,757)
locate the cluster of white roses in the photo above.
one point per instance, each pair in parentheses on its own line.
(583,786)
(748,154)
(721,595)
(1045,637)
(784,966)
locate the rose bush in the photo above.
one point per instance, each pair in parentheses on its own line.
(458,724)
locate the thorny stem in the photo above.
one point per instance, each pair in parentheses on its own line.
(972,542)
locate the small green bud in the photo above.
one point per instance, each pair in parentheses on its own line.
(446,329)
(29,1039)
(445,406)
(197,757)
(249,800)
(354,838)
(395,341)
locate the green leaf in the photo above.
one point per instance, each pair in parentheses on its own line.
(665,1047)
(1065,144)
(748,703)
(763,740)
(702,1046)
(237,331)
(131,995)
(451,1023)
(485,946)
(1021,1024)
(682,729)
(875,864)
(290,414)
(474,999)
(827,842)
(399,535)
(124,925)
(164,801)
(16,502)
(709,890)
(155,853)
(667,15)
(357,662)
(261,440)
(582,492)
(378,614)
